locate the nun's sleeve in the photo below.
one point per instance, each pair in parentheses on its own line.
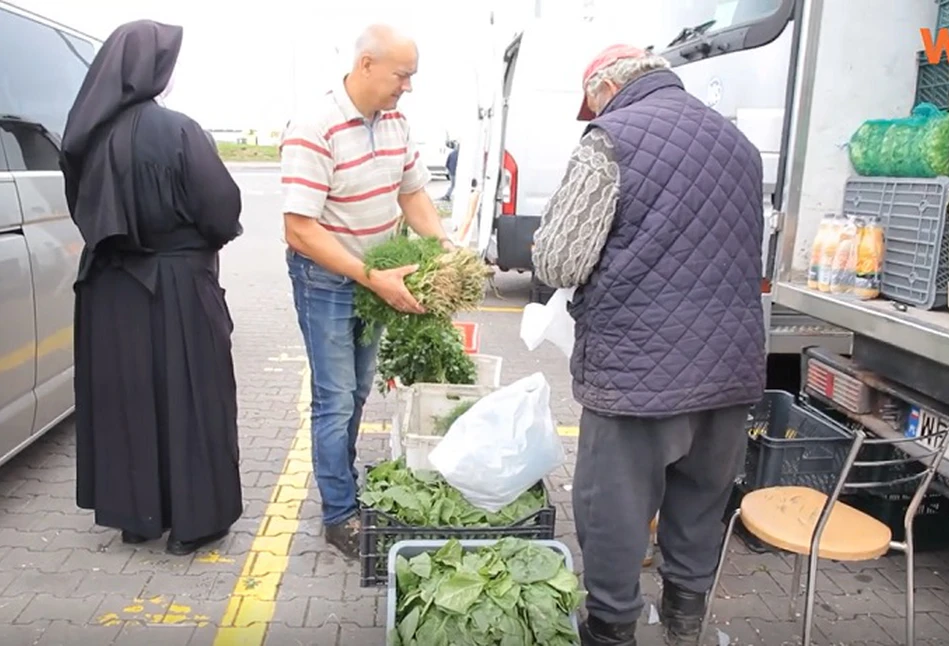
(212,196)
(211,138)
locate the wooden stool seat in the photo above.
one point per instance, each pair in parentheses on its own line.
(785,517)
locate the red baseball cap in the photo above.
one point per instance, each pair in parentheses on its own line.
(604,59)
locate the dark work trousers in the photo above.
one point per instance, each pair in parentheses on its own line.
(627,469)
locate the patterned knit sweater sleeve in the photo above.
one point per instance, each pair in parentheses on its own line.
(578,217)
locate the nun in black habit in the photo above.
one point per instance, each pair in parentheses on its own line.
(156,401)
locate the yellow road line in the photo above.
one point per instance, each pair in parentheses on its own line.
(254,598)
(501,309)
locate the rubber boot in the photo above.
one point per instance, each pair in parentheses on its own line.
(594,632)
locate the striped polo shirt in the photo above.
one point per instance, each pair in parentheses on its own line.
(347,171)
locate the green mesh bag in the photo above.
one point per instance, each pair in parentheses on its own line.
(916,146)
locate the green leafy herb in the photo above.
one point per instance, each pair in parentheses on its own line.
(444,284)
(423,350)
(424,498)
(512,593)
(443,422)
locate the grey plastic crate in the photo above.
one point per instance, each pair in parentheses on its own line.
(942,16)
(932,81)
(916,252)
(408,549)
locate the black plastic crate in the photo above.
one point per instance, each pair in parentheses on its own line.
(380,531)
(791,446)
(929,523)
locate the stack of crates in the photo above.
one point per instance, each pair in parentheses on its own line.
(932,79)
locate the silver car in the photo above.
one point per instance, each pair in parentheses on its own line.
(42,65)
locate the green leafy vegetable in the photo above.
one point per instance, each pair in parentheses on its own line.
(512,593)
(443,423)
(423,350)
(424,498)
(444,284)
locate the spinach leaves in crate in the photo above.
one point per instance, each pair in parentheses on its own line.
(425,499)
(512,593)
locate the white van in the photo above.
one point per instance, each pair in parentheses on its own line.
(533,124)
(534,127)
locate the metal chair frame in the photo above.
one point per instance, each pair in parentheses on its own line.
(931,458)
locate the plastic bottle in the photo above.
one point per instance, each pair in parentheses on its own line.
(843,267)
(813,269)
(868,264)
(828,251)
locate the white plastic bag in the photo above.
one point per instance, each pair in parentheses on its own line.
(551,322)
(502,445)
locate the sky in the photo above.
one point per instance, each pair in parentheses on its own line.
(246,68)
(253,64)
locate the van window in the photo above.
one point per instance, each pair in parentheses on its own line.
(41,70)
(715,27)
(28,146)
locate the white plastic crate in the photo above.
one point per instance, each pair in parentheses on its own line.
(424,403)
(489,370)
(488,374)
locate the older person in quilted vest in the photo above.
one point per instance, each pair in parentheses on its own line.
(658,223)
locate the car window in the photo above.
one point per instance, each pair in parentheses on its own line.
(41,70)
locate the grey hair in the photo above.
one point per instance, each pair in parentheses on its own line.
(375,41)
(625,70)
(371,42)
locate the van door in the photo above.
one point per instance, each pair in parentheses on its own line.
(495,190)
(18,331)
(32,118)
(53,245)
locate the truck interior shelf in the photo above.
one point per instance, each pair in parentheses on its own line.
(923,332)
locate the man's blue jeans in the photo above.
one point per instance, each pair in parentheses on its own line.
(341,376)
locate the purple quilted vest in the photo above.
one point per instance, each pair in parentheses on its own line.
(671,320)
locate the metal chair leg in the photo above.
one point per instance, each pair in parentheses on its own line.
(729,532)
(811,592)
(910,587)
(795,586)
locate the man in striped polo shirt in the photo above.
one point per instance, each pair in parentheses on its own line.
(349,168)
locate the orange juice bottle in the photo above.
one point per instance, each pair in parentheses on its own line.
(868,265)
(827,252)
(813,269)
(843,266)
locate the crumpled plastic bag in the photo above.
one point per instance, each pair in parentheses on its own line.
(551,322)
(501,446)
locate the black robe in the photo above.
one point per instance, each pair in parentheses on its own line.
(156,400)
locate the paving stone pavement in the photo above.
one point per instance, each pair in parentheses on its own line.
(63,580)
